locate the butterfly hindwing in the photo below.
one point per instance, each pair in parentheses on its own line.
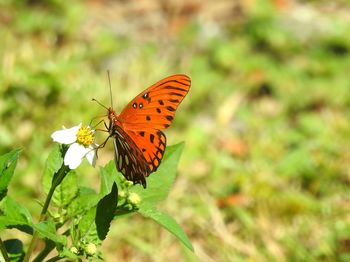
(152,145)
(155,107)
(129,160)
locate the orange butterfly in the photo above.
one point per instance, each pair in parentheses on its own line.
(139,142)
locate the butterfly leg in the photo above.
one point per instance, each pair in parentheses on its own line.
(90,124)
(103,144)
(103,130)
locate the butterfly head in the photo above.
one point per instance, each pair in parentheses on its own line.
(111,114)
(113,119)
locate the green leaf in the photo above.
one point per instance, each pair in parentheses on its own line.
(106,208)
(7,167)
(66,253)
(159,183)
(13,214)
(94,225)
(67,190)
(163,219)
(47,229)
(53,164)
(86,199)
(14,248)
(108,175)
(87,227)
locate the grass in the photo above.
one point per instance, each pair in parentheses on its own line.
(265,171)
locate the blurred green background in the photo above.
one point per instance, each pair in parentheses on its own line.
(265,173)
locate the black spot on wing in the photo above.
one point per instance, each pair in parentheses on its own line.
(170,118)
(170,108)
(146,97)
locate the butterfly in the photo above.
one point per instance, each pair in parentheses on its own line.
(139,143)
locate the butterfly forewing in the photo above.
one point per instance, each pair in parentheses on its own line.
(155,107)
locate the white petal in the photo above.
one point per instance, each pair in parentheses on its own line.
(75,155)
(66,136)
(91,155)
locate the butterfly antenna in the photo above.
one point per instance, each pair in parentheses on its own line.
(98,102)
(110,88)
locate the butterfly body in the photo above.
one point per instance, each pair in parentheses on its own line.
(139,142)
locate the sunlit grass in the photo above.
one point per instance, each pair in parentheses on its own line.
(264,174)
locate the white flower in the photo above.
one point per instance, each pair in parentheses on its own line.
(81,141)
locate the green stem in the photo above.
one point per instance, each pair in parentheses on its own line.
(56,180)
(4,251)
(48,248)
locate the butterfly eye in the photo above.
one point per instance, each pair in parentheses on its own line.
(134,105)
(145,95)
(140,105)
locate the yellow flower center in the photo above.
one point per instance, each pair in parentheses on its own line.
(85,136)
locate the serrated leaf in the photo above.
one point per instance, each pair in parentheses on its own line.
(108,175)
(47,229)
(86,199)
(14,248)
(13,214)
(94,225)
(159,183)
(106,208)
(67,190)
(7,167)
(166,221)
(52,165)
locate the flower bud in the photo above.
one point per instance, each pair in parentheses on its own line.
(134,199)
(90,249)
(74,250)
(121,193)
